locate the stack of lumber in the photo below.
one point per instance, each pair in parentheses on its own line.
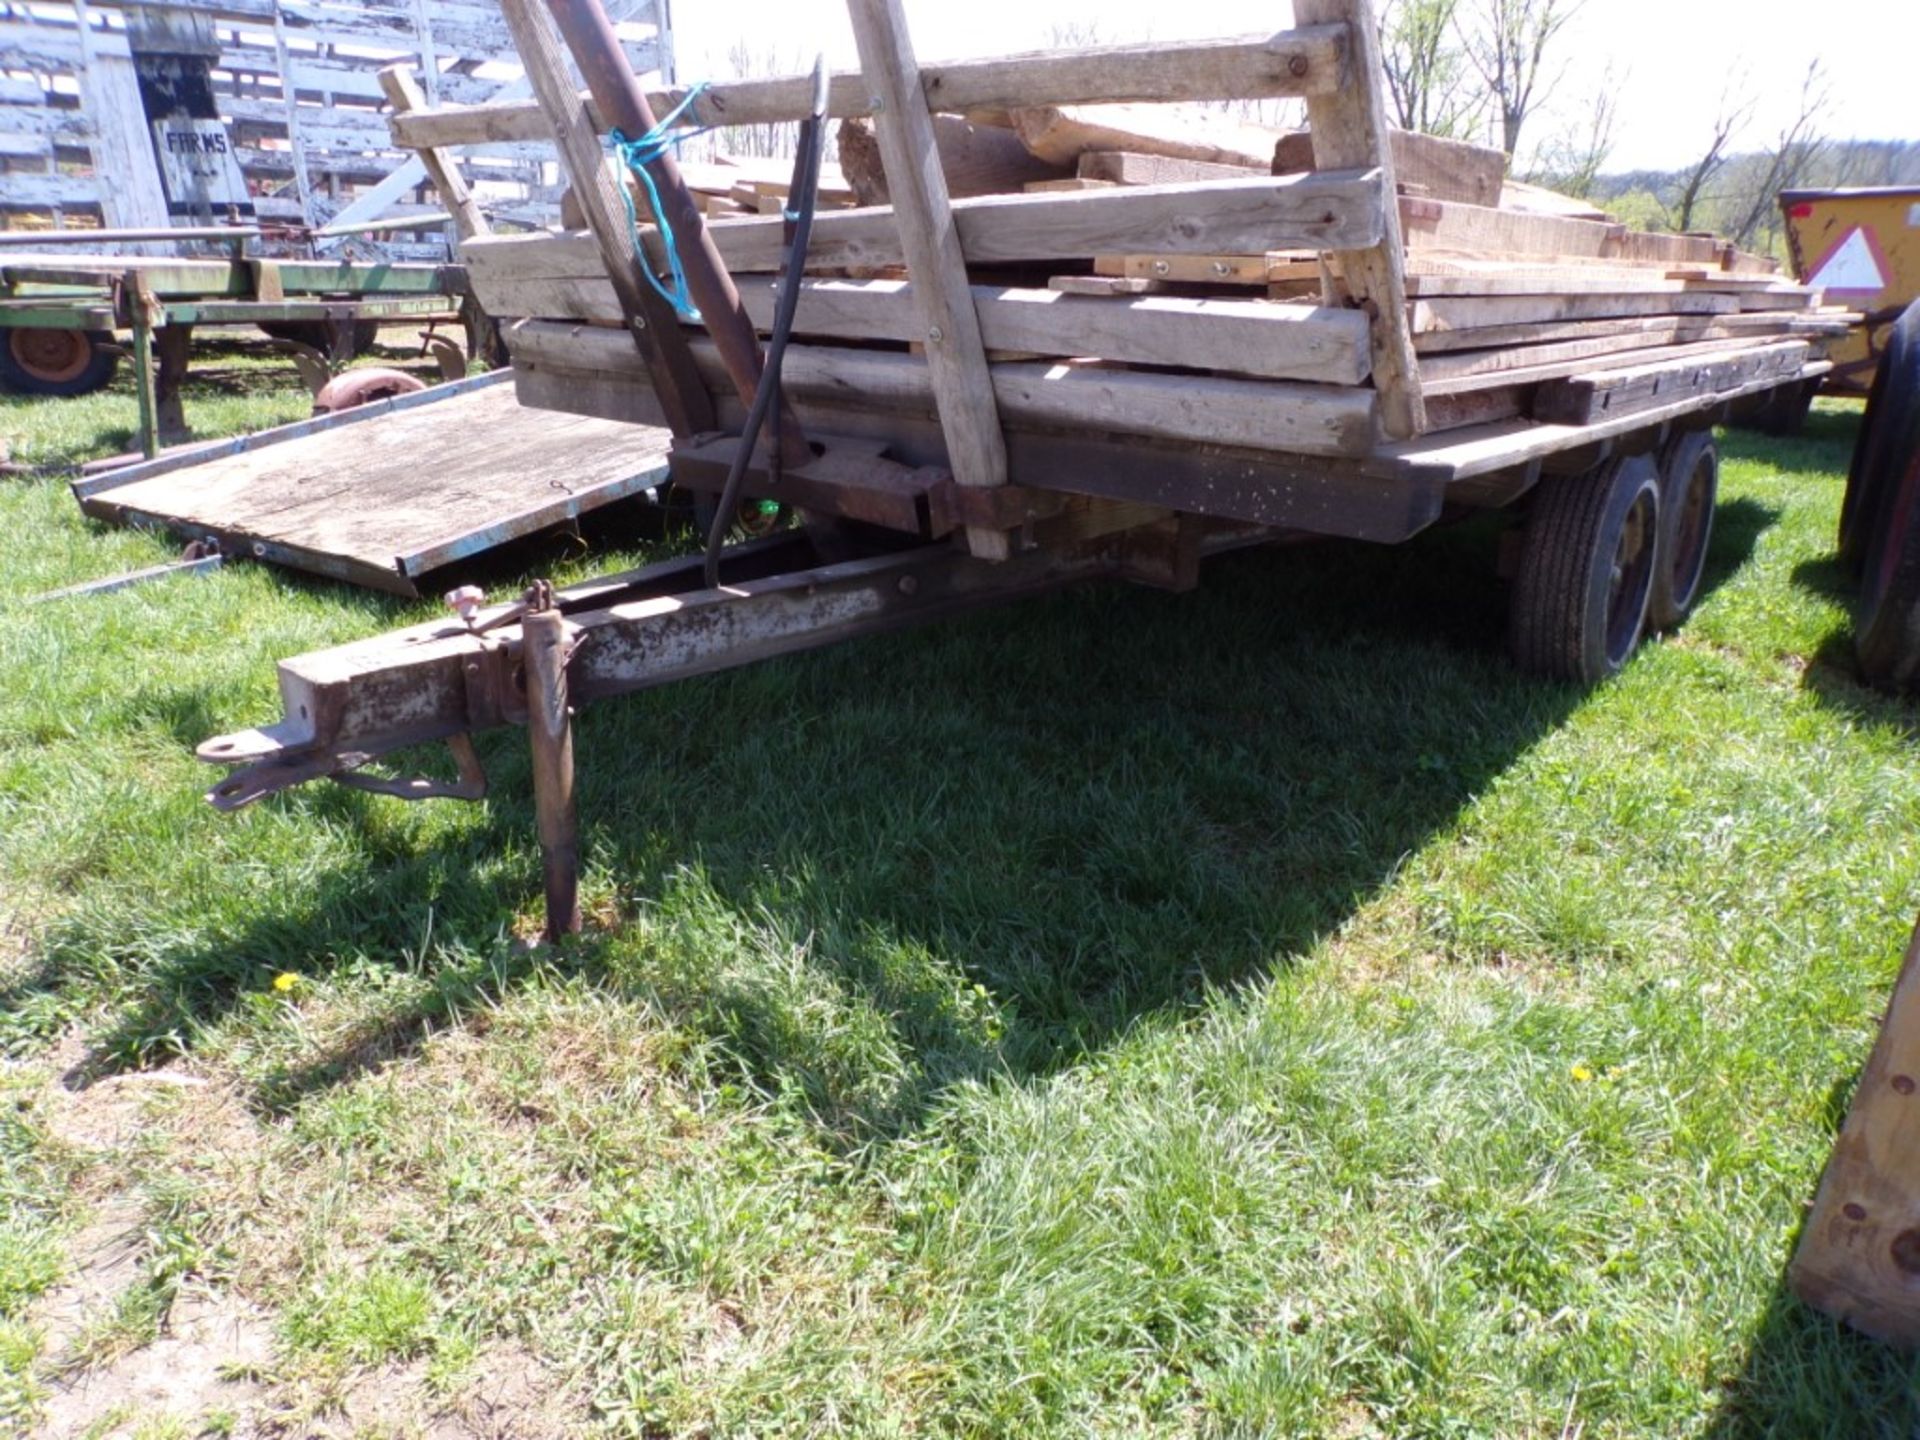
(1171,254)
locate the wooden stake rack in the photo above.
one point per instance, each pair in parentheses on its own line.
(1176,340)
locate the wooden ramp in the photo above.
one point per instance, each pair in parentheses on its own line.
(392,491)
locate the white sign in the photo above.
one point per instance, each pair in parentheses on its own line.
(198,167)
(1853,265)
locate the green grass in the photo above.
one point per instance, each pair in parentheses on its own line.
(1253,1012)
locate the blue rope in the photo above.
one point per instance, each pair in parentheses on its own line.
(637,153)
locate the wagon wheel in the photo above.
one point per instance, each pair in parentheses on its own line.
(1586,571)
(56,362)
(1893,412)
(1689,485)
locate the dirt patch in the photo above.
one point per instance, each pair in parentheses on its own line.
(200,1367)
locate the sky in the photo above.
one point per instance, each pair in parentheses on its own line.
(1668,61)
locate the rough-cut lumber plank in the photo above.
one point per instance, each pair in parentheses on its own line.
(404,93)
(1235,217)
(1859,1253)
(1549,373)
(649,321)
(1128,169)
(1206,410)
(1350,129)
(1104,285)
(1432,224)
(1442,169)
(1310,60)
(963,393)
(1575,280)
(1061,134)
(1646,338)
(1506,445)
(1248,337)
(976,160)
(1188,269)
(1442,314)
(1584,399)
(1710,326)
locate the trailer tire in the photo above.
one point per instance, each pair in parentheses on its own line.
(1886,626)
(1890,427)
(1689,487)
(1586,571)
(1784,411)
(56,362)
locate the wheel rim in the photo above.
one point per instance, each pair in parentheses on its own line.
(1691,528)
(52,356)
(1632,577)
(760,518)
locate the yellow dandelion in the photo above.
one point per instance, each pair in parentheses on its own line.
(1581,1073)
(285,981)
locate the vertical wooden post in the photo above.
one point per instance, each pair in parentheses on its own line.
(1349,132)
(403,93)
(956,356)
(650,320)
(1859,1255)
(544,650)
(173,344)
(141,308)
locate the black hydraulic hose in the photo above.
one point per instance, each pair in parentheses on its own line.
(801,195)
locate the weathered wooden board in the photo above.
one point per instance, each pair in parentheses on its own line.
(1234,216)
(1682,373)
(1306,61)
(1284,342)
(1257,414)
(1439,169)
(384,496)
(1859,1253)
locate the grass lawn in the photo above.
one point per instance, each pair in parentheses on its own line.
(1253,1012)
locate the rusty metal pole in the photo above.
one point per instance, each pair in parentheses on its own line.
(545,646)
(622,103)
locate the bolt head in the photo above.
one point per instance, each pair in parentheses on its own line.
(1298,66)
(936,334)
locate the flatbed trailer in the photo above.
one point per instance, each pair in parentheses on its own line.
(1133,433)
(59,314)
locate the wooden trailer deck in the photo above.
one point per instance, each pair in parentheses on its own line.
(390,492)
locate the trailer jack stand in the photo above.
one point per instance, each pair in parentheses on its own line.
(547,644)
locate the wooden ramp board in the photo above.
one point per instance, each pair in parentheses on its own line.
(387,493)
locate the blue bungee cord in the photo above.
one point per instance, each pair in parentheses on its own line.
(637,154)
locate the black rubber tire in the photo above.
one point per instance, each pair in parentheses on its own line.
(18,375)
(1579,604)
(315,335)
(1784,412)
(1890,427)
(1886,623)
(1689,486)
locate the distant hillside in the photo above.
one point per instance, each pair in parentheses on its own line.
(1738,200)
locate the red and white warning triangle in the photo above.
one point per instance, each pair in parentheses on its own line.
(1853,266)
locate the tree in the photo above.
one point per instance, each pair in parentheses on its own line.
(1572,161)
(1792,158)
(1509,46)
(1429,80)
(1731,117)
